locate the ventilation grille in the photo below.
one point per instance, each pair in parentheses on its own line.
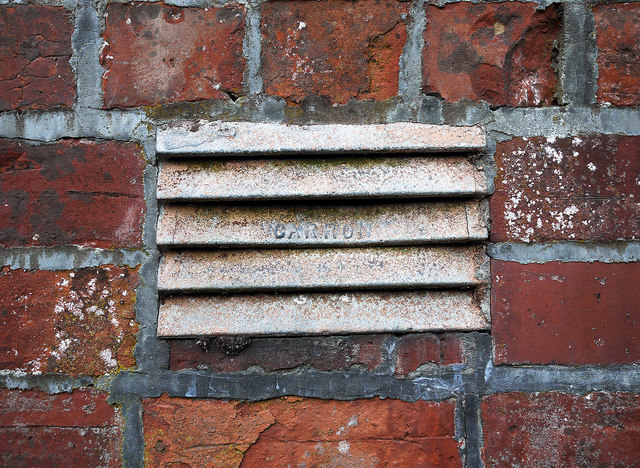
(275,229)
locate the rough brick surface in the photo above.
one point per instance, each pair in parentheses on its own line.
(500,53)
(80,322)
(35,49)
(555,429)
(577,188)
(567,313)
(618,39)
(338,50)
(157,54)
(272,354)
(71,192)
(416,350)
(76,429)
(296,431)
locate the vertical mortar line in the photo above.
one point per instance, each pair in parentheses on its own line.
(252,49)
(410,64)
(473,430)
(87,44)
(460,430)
(577,61)
(151,353)
(132,431)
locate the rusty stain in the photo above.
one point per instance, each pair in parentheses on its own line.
(290,269)
(380,224)
(253,139)
(319,313)
(320,178)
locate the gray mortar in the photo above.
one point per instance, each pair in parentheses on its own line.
(578,67)
(410,77)
(87,45)
(67,258)
(128,125)
(150,352)
(252,49)
(561,122)
(569,379)
(613,252)
(133,434)
(52,383)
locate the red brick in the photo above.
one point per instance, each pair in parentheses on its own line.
(335,49)
(618,39)
(51,194)
(272,354)
(35,49)
(76,429)
(416,350)
(79,323)
(293,431)
(500,53)
(157,54)
(555,429)
(578,188)
(565,313)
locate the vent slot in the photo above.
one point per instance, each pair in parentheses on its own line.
(275,229)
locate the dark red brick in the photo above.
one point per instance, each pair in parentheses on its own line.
(158,54)
(78,323)
(35,49)
(555,429)
(75,429)
(294,431)
(498,52)
(416,350)
(618,39)
(565,313)
(335,49)
(578,188)
(71,192)
(272,354)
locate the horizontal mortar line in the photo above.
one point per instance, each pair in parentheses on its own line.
(49,383)
(568,379)
(566,251)
(68,257)
(564,121)
(80,122)
(328,385)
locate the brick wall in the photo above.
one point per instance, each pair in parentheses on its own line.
(85,381)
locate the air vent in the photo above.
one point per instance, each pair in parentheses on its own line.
(275,229)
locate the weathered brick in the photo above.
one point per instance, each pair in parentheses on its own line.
(293,431)
(500,53)
(76,429)
(71,192)
(272,354)
(565,313)
(335,49)
(35,49)
(555,429)
(157,54)
(618,39)
(80,322)
(576,188)
(416,350)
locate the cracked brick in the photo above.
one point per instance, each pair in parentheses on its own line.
(35,52)
(336,49)
(158,54)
